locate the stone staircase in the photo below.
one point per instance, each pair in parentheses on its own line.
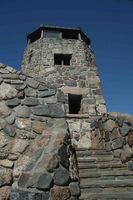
(102,176)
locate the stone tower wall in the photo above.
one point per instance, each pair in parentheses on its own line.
(80,77)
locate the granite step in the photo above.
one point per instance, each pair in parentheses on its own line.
(102,176)
(97,174)
(96,159)
(105,165)
(92,152)
(110,189)
(86,183)
(106,195)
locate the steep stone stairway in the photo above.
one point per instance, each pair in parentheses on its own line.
(102,176)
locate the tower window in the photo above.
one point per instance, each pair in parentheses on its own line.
(62,59)
(52,34)
(70,35)
(74,103)
(35,36)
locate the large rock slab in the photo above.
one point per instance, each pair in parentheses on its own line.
(30,101)
(56,110)
(46,93)
(13,102)
(22,111)
(42,110)
(7,91)
(52,110)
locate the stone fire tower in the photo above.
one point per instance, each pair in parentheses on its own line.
(63,57)
(57,141)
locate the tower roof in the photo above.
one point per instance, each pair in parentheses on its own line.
(60,29)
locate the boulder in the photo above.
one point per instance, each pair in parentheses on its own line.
(2,124)
(9,130)
(11,118)
(117,143)
(125,129)
(46,93)
(62,193)
(4,110)
(41,181)
(30,92)
(6,163)
(3,139)
(18,146)
(20,165)
(126,154)
(38,126)
(114,134)
(22,111)
(5,192)
(56,110)
(110,125)
(130,138)
(22,123)
(61,176)
(13,102)
(30,101)
(63,155)
(5,177)
(74,188)
(7,91)
(32,82)
(41,110)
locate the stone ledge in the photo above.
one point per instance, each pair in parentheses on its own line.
(77,116)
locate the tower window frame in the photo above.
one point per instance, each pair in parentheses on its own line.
(62,59)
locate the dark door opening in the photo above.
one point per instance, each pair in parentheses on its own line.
(74,103)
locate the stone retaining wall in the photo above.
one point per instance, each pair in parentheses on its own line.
(36,156)
(116,130)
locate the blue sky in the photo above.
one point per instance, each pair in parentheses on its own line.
(109,24)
